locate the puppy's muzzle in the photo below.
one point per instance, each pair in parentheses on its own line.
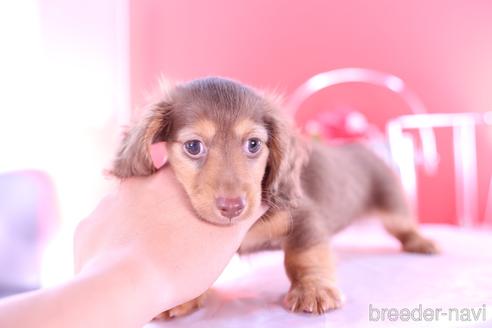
(230,207)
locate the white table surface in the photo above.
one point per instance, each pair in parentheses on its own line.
(371,270)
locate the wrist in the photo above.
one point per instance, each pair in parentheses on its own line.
(125,285)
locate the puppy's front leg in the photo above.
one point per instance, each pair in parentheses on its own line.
(311,272)
(183,309)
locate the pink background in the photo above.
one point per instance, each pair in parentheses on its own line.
(442,49)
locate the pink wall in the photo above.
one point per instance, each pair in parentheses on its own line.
(442,49)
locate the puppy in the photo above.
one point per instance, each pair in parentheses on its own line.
(231,150)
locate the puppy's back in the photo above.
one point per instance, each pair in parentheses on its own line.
(346,182)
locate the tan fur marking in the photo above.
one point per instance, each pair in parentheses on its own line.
(243,127)
(221,176)
(405,229)
(205,128)
(183,309)
(182,166)
(265,230)
(247,127)
(314,263)
(312,274)
(202,129)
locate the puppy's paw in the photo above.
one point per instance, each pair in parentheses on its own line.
(416,243)
(312,299)
(181,310)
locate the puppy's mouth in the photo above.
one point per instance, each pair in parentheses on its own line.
(223,221)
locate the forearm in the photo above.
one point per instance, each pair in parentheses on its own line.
(125,288)
(113,295)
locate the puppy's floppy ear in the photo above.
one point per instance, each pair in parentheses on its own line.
(288,155)
(133,157)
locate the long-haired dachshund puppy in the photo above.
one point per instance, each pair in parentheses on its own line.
(231,150)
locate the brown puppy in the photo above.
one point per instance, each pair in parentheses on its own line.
(231,150)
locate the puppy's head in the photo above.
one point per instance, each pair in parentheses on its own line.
(227,146)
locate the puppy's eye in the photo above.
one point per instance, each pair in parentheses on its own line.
(194,148)
(252,146)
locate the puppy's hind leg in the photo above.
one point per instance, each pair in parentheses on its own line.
(404,228)
(395,212)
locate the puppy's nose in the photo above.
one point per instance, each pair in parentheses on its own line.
(230,207)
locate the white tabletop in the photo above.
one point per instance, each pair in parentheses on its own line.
(371,272)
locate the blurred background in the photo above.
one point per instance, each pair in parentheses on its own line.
(412,78)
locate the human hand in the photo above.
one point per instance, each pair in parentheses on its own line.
(148,225)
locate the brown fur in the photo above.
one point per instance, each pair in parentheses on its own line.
(311,272)
(183,309)
(313,192)
(267,232)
